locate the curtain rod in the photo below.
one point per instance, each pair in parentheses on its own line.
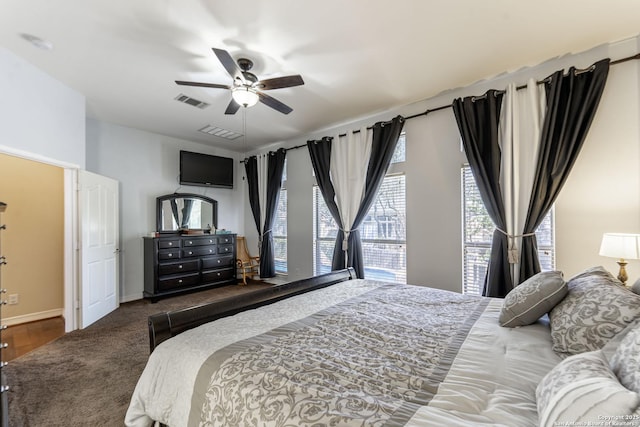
(443,107)
(618,61)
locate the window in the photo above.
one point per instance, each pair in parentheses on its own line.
(279,229)
(478,232)
(383,231)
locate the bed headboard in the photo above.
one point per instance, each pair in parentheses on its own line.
(163,326)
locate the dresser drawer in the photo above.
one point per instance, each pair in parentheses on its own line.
(217,275)
(218,262)
(225,249)
(199,251)
(222,240)
(166,254)
(168,243)
(201,241)
(173,282)
(178,267)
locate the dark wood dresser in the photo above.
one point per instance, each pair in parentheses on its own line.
(175,264)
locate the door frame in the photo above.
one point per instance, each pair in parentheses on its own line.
(71,282)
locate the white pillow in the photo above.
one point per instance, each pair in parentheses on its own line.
(532,299)
(583,388)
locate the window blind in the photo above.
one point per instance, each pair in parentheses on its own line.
(478,232)
(383,233)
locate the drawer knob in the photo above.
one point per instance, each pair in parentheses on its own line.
(170,243)
(219,261)
(180,281)
(190,253)
(210,240)
(191,242)
(218,274)
(180,266)
(170,255)
(210,250)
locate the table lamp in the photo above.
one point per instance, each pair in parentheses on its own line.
(622,246)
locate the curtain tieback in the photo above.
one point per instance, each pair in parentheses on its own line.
(345,241)
(261,237)
(513,254)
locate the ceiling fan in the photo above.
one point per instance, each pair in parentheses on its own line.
(246,89)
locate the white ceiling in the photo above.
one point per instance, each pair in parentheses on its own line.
(357,57)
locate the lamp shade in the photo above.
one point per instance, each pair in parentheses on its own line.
(620,245)
(245,96)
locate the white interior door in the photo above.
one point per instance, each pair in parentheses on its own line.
(99,248)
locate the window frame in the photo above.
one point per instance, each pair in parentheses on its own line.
(396,168)
(282,238)
(546,251)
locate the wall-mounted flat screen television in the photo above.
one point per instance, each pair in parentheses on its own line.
(205,170)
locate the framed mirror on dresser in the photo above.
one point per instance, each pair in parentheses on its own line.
(187,254)
(183,211)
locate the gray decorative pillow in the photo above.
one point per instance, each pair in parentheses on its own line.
(625,362)
(580,389)
(609,350)
(594,311)
(532,299)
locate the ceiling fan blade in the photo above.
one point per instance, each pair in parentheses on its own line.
(279,82)
(232,108)
(229,64)
(211,85)
(274,103)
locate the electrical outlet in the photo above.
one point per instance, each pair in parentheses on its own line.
(13,299)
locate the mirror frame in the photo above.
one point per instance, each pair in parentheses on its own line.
(173,196)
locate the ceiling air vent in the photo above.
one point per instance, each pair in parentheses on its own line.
(191,101)
(219,132)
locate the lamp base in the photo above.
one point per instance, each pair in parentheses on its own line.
(622,274)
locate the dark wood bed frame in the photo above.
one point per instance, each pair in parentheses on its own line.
(163,326)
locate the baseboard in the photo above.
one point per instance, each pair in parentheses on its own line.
(129,298)
(32,317)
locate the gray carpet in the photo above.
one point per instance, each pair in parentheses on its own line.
(86,377)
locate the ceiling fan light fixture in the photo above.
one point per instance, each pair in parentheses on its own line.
(245,96)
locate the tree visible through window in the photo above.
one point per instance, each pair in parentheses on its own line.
(383,231)
(478,232)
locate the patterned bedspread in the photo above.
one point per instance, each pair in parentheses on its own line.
(371,360)
(377,355)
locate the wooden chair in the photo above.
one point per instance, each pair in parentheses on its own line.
(247,265)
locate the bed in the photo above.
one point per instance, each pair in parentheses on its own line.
(338,351)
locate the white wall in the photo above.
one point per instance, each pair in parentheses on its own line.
(602,194)
(147,166)
(38,114)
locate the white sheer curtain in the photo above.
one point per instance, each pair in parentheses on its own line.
(520,125)
(349,161)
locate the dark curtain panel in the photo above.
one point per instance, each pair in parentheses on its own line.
(251,169)
(478,119)
(320,153)
(174,211)
(186,212)
(274,182)
(385,139)
(572,101)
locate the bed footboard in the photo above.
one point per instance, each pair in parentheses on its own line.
(163,326)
